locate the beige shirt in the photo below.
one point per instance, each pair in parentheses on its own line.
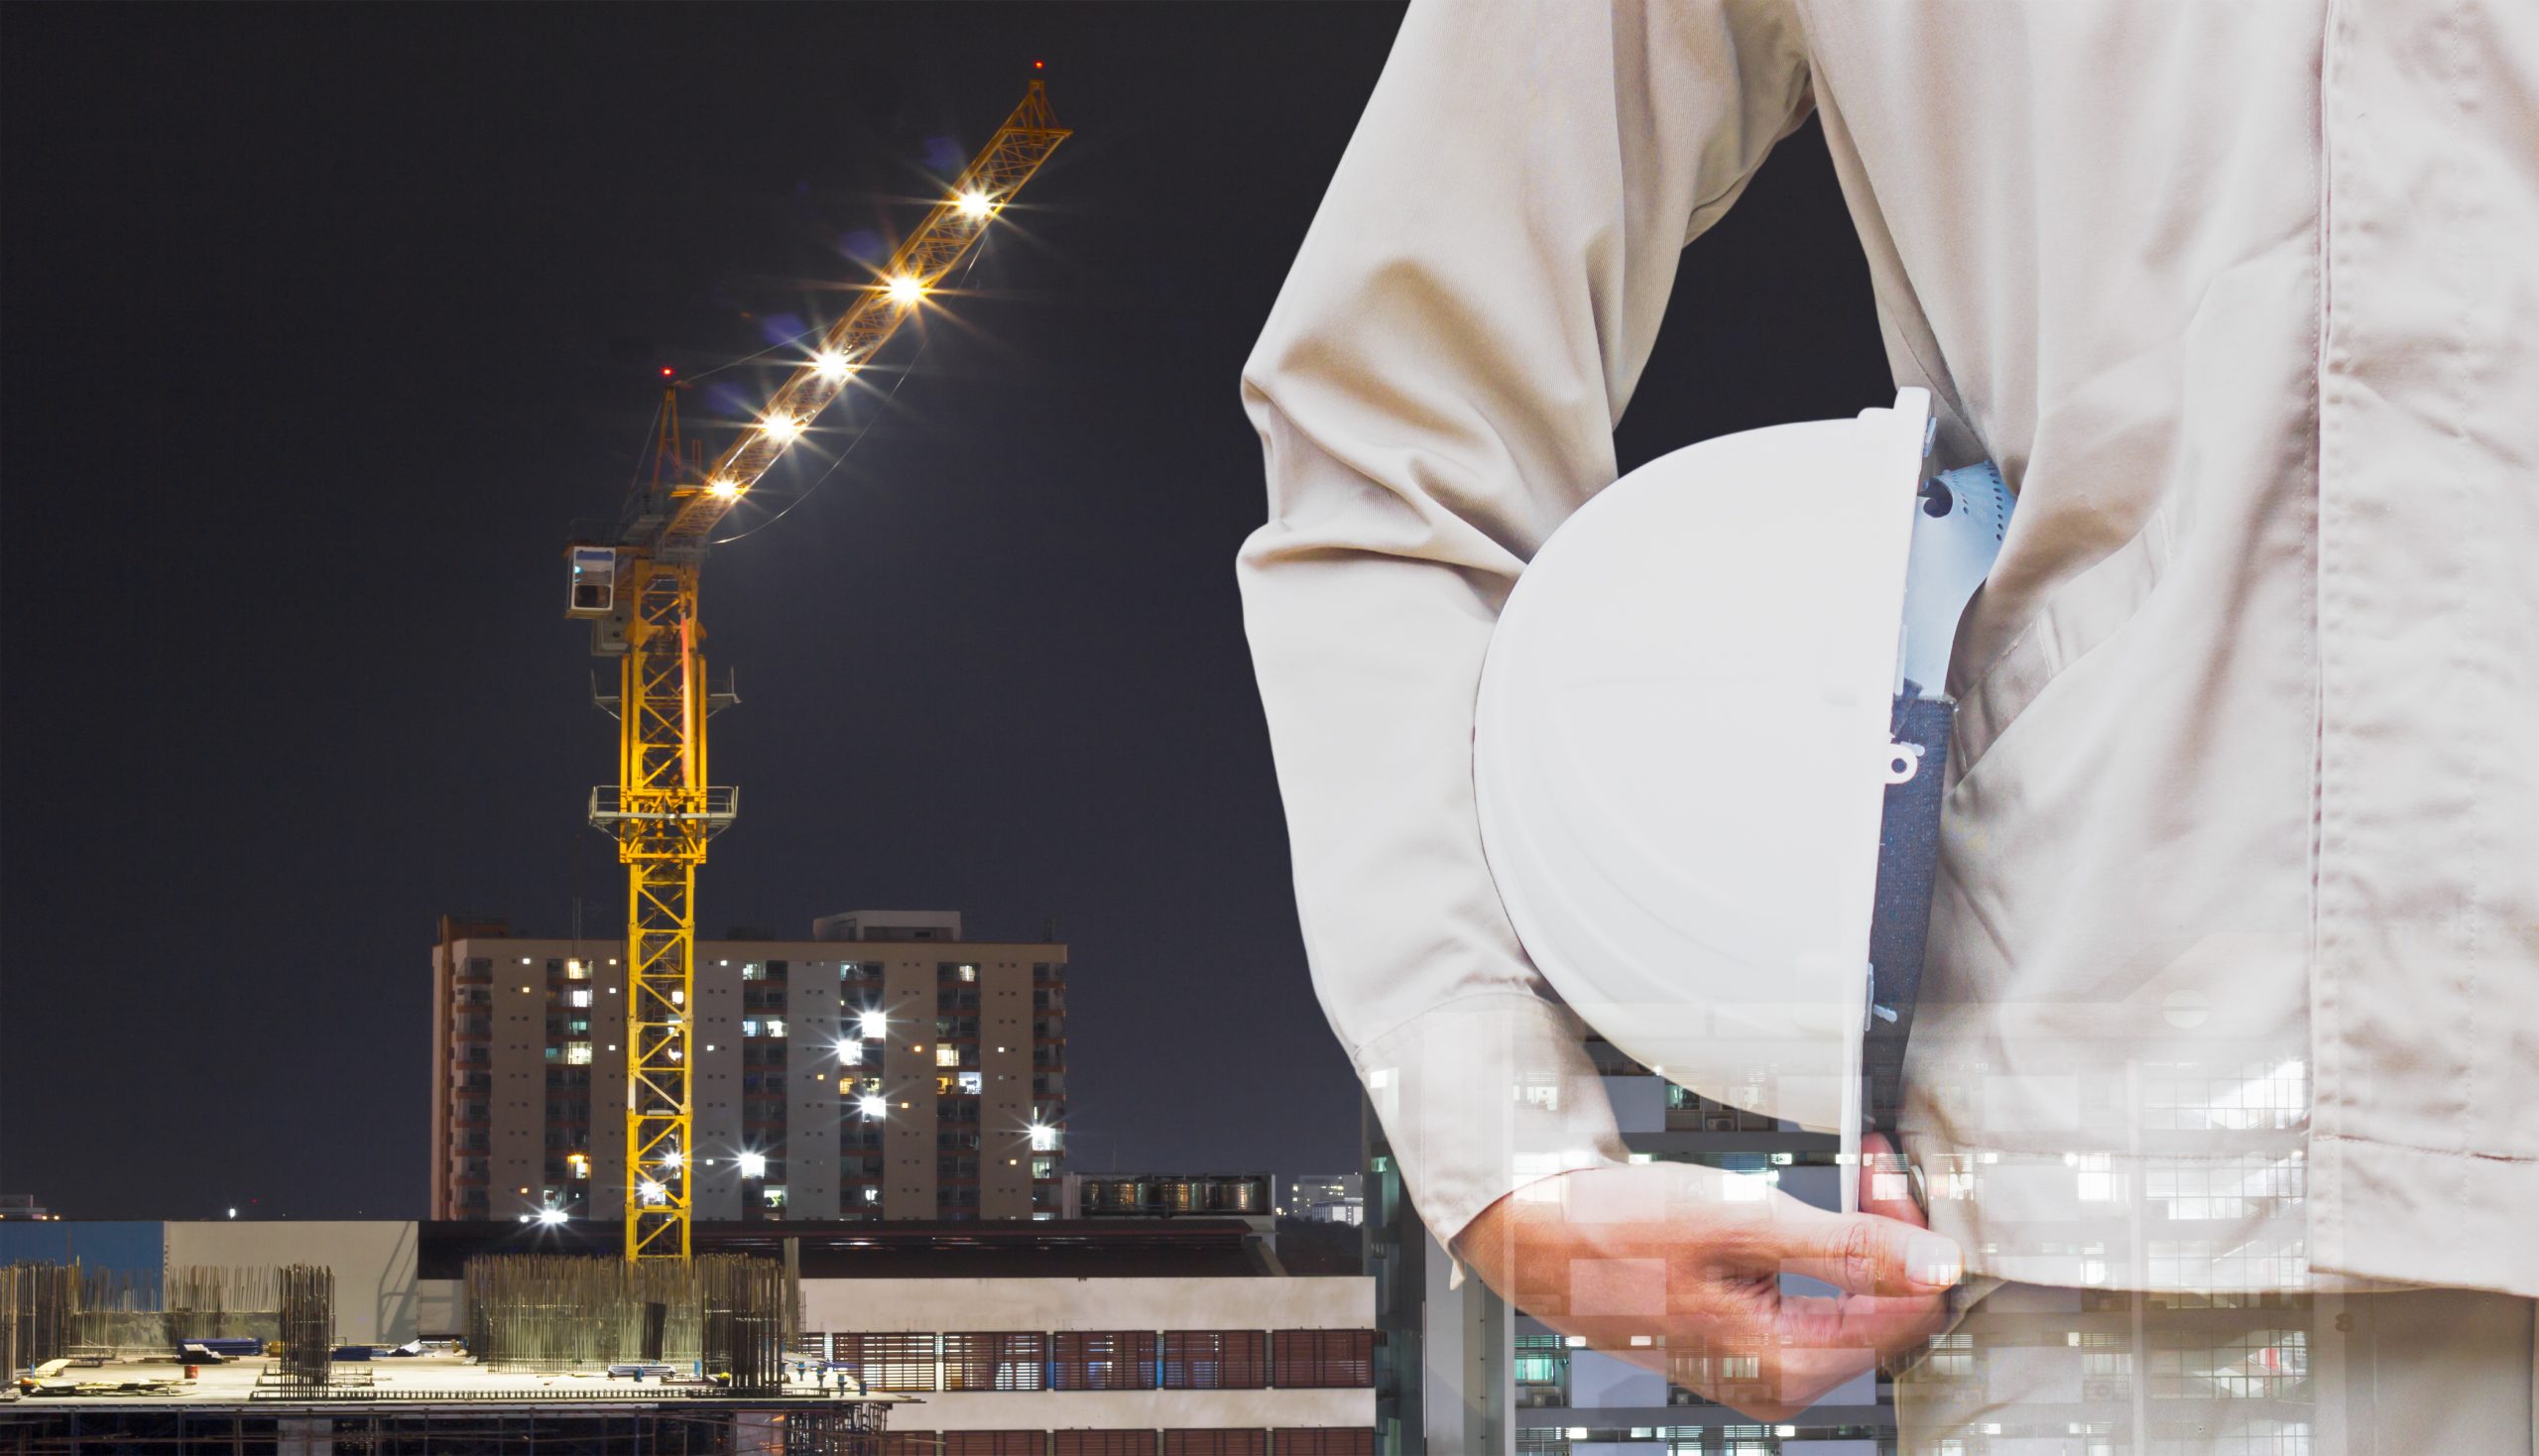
(2233,973)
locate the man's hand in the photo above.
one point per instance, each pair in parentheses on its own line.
(1660,1265)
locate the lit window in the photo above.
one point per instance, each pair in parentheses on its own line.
(775,1195)
(872,1195)
(774,1028)
(969,1082)
(969,973)
(578,1053)
(578,996)
(753,970)
(1044,1168)
(850,1053)
(946,1054)
(578,970)
(1044,1138)
(749,1025)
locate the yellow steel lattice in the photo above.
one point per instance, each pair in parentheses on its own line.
(664,810)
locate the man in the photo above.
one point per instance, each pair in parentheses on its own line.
(2233,984)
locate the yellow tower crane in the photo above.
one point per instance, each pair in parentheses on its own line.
(639,593)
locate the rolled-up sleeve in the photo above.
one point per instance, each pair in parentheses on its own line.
(1435,389)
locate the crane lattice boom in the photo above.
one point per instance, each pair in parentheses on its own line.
(640,595)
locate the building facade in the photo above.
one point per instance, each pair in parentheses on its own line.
(1323,1197)
(887,1067)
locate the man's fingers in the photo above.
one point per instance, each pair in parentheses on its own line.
(1886,1189)
(1865,1253)
(1857,1322)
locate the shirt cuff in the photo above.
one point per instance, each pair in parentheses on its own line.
(1484,1095)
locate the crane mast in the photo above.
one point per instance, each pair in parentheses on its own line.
(640,594)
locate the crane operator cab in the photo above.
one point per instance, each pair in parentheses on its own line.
(1708,753)
(593,583)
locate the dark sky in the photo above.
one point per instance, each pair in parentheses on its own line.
(323,325)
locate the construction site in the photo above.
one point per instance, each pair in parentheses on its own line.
(857,1223)
(649,1346)
(1109,1336)
(562,1354)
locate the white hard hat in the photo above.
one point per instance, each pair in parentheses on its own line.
(1682,743)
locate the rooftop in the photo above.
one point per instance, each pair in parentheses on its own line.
(906,1248)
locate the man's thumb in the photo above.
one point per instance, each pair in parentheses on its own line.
(1864,1253)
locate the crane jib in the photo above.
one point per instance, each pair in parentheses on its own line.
(640,595)
(928,254)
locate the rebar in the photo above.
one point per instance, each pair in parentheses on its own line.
(730,1315)
(308,1319)
(39,1303)
(49,1310)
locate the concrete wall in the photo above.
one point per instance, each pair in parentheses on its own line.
(1005,1087)
(440,1307)
(714,1189)
(373,1260)
(812,1107)
(607,1192)
(908,1074)
(517,1155)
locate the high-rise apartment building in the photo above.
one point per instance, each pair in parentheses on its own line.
(885,1068)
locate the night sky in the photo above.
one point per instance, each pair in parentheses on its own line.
(321,328)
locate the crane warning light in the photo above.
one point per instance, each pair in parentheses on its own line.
(666,371)
(905,289)
(1039,66)
(781,429)
(974,205)
(832,365)
(723,490)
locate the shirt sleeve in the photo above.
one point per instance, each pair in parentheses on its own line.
(1435,389)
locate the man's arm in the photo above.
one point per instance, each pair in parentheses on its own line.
(1435,391)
